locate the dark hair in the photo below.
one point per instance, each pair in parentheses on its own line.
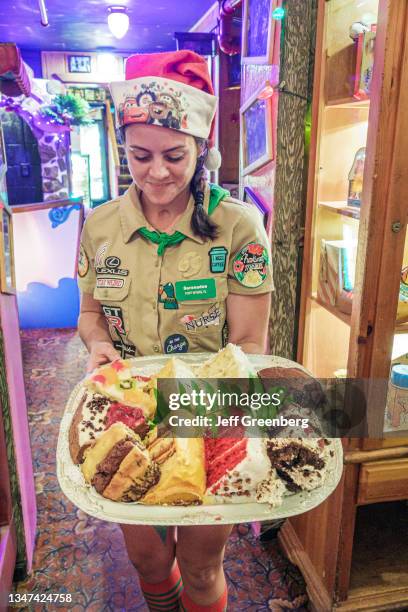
(200,221)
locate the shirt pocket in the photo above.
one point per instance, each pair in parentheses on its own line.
(116,308)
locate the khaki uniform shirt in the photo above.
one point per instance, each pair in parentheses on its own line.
(175,302)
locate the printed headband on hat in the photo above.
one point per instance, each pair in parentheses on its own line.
(172,90)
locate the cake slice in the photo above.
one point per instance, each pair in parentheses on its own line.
(300,463)
(229,362)
(119,466)
(118,381)
(235,467)
(87,423)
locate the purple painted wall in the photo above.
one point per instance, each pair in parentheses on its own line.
(32,57)
(18,411)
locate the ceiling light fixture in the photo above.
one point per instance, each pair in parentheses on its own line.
(118,21)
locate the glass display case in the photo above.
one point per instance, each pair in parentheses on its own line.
(354,307)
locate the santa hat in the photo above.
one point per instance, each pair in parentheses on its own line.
(172,90)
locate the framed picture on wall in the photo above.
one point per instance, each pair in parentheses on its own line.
(79,63)
(256,132)
(7,273)
(258,28)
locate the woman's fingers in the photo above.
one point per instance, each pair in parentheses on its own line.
(101,352)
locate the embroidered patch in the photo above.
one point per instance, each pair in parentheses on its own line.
(100,253)
(218,259)
(112,267)
(114,283)
(176,343)
(83,262)
(166,296)
(250,265)
(125,350)
(209,317)
(114,317)
(190,264)
(203,288)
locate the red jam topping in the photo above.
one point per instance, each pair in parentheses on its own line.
(132,417)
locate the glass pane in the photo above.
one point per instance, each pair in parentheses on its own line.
(350,30)
(396,416)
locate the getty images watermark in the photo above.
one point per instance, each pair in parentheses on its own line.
(286,406)
(214,401)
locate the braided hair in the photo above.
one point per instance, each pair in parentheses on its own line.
(200,221)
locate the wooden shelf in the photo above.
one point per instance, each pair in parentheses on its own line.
(334,311)
(401,328)
(347,102)
(341,208)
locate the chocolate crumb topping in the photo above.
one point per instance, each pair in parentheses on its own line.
(140,487)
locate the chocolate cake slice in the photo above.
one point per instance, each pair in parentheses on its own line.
(300,463)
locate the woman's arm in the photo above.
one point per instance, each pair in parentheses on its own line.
(94,332)
(248,318)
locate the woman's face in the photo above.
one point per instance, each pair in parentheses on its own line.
(161,161)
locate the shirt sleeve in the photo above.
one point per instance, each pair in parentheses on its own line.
(250,266)
(86,270)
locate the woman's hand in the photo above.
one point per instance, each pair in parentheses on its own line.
(101,352)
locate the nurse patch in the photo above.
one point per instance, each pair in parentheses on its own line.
(250,265)
(209,317)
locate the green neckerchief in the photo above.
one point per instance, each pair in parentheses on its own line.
(164,240)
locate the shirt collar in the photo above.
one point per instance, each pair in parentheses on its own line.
(132,217)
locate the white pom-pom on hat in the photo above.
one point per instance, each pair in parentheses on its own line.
(213,159)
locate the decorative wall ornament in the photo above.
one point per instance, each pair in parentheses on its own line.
(59,215)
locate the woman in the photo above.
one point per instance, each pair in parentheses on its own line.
(173,265)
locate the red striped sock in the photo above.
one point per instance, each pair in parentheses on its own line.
(163,596)
(188,605)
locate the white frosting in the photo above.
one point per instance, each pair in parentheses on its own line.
(307,477)
(271,490)
(97,421)
(240,484)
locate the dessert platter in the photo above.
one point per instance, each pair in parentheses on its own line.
(115,463)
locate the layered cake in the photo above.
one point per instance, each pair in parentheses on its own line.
(235,466)
(87,424)
(119,466)
(94,415)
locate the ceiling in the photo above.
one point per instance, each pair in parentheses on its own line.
(81,25)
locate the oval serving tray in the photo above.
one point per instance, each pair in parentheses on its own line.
(88,500)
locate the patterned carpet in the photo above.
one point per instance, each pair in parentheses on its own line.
(86,557)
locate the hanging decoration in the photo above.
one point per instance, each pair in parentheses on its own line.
(54,118)
(67,108)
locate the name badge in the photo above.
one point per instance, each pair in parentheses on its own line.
(201,289)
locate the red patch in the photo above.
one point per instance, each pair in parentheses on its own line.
(142,378)
(255,249)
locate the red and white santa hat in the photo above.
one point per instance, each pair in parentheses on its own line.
(172,90)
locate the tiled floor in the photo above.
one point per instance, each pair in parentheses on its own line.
(86,557)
